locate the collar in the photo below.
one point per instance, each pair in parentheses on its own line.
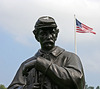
(56,51)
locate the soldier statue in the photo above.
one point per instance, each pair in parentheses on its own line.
(51,67)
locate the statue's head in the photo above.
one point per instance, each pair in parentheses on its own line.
(46,32)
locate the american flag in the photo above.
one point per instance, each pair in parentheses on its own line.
(82,28)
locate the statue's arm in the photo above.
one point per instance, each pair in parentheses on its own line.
(69,75)
(18,81)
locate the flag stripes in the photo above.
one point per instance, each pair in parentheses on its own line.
(82,28)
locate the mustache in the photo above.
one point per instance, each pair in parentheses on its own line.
(48,41)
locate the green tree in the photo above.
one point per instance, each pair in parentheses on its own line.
(98,87)
(2,86)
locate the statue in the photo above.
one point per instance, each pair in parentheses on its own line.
(51,67)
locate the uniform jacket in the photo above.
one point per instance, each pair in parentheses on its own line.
(57,69)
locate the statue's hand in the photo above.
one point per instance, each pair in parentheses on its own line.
(28,66)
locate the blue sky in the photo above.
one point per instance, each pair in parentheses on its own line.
(17,43)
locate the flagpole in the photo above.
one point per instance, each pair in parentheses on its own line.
(75,44)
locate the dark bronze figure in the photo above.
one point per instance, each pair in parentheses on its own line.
(51,67)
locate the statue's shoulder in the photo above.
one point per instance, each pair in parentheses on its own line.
(29,59)
(67,53)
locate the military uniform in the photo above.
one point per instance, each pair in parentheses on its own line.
(56,69)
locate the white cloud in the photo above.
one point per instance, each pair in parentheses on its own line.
(18,17)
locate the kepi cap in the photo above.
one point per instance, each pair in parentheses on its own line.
(45,21)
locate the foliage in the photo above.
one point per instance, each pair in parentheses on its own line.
(2,86)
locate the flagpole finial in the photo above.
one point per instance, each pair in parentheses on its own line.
(74,16)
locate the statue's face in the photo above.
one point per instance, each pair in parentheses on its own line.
(47,37)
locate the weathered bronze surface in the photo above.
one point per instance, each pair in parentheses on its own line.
(51,67)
